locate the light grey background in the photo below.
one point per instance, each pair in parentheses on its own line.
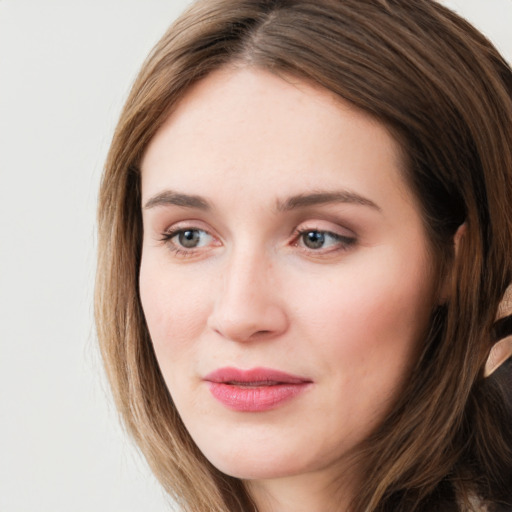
(65,69)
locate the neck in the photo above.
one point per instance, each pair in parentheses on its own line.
(301,493)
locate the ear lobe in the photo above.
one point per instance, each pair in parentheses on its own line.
(446,285)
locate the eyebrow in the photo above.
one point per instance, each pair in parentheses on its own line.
(318,198)
(169,197)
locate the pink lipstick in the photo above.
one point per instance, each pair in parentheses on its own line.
(255,390)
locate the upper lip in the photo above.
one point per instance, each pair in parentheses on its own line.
(263,376)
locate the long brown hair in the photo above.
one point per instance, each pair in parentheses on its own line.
(446,94)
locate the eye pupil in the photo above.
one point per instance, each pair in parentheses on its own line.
(189,238)
(314,239)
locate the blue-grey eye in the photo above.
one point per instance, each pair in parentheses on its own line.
(192,238)
(314,239)
(189,238)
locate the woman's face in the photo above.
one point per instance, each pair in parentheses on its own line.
(285,276)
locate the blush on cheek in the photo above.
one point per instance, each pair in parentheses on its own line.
(378,318)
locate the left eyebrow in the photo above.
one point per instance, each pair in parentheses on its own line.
(318,198)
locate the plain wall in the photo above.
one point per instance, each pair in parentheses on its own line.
(65,69)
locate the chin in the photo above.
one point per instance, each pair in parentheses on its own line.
(259,461)
(255,470)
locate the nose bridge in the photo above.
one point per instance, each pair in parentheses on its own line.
(248,305)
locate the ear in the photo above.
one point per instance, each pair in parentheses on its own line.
(446,285)
(501,350)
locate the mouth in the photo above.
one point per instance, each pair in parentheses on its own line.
(254,390)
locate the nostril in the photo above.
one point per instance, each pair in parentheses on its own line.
(258,334)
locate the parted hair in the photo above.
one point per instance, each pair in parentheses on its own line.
(445,93)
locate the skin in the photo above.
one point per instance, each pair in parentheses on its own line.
(348,315)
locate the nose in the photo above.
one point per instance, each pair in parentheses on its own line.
(248,305)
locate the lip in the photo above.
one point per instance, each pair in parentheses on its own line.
(254,390)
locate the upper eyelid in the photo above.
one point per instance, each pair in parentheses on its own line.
(180,226)
(303,226)
(172,232)
(339,230)
(341,238)
(324,231)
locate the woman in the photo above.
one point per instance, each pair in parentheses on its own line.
(305,239)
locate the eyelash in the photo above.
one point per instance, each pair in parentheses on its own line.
(343,242)
(170,234)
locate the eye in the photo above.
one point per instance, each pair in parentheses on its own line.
(186,240)
(191,238)
(323,241)
(315,239)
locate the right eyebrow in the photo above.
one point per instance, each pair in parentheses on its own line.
(170,197)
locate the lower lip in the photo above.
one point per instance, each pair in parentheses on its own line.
(257,398)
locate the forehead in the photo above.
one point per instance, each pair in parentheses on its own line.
(245,129)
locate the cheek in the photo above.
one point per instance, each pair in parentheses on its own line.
(175,308)
(367,302)
(368,319)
